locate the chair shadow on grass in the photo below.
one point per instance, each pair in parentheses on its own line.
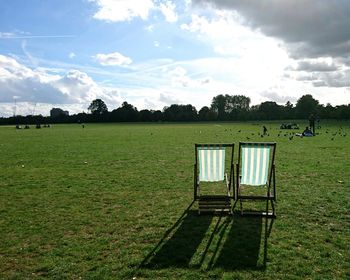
(241,250)
(180,242)
(235,243)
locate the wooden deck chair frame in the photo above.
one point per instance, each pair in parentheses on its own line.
(265,177)
(209,203)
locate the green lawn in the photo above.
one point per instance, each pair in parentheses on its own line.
(114,201)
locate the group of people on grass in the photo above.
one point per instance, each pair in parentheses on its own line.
(309,130)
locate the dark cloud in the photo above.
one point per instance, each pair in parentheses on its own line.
(319,83)
(316,66)
(339,79)
(345,61)
(314,32)
(306,78)
(310,28)
(336,79)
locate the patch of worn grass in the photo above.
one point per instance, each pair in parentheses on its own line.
(112,202)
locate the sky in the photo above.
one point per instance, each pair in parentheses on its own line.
(154,53)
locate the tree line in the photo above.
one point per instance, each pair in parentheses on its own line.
(223,108)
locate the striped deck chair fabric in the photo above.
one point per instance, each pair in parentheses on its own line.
(211,163)
(256,167)
(211,168)
(255,164)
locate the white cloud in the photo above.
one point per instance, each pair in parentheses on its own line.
(169,11)
(274,96)
(127,10)
(168,99)
(250,59)
(6,35)
(180,78)
(72,55)
(112,59)
(74,89)
(226,35)
(123,10)
(150,28)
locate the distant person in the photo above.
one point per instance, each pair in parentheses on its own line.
(312,123)
(264,130)
(307,132)
(318,123)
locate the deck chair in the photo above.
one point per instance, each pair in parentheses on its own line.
(256,168)
(209,166)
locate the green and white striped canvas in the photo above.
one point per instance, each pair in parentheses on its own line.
(211,163)
(255,164)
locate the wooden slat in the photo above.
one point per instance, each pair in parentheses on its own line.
(214,203)
(250,197)
(215,210)
(258,213)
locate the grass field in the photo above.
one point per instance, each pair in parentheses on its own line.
(114,201)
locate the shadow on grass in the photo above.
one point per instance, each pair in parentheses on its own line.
(234,244)
(242,248)
(180,242)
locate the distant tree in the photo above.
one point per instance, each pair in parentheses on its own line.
(170,113)
(57,112)
(125,113)
(305,106)
(238,107)
(326,112)
(288,110)
(180,113)
(218,104)
(230,106)
(188,113)
(145,115)
(269,110)
(237,102)
(206,114)
(157,115)
(342,112)
(98,107)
